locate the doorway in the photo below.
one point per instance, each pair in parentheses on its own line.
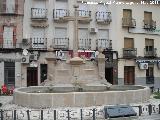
(32,76)
(109,75)
(43,72)
(129,75)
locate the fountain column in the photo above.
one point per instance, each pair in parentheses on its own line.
(101,68)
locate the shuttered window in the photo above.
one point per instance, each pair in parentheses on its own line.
(60,32)
(127,13)
(8,37)
(148,16)
(128,43)
(10,6)
(149,44)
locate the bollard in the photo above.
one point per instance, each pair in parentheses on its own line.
(68,114)
(28,115)
(1,114)
(159,108)
(81,114)
(14,114)
(41,114)
(54,114)
(150,109)
(94,114)
(140,110)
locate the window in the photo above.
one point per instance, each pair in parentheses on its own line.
(9,6)
(147,16)
(150,75)
(9,73)
(128,43)
(9,37)
(127,13)
(149,44)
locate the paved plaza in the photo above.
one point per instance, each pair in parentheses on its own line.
(75,113)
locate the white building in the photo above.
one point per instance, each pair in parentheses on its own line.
(130,29)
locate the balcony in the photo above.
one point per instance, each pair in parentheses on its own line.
(128,22)
(38,14)
(10,45)
(149,80)
(104,44)
(86,15)
(103,17)
(129,53)
(60,14)
(38,43)
(149,24)
(61,43)
(85,44)
(150,53)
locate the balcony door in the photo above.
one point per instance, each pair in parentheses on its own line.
(129,43)
(147,16)
(149,47)
(38,38)
(62,7)
(103,38)
(127,13)
(40,9)
(84,41)
(83,10)
(129,75)
(60,40)
(10,6)
(102,12)
(8,37)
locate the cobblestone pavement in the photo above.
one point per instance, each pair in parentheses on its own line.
(75,113)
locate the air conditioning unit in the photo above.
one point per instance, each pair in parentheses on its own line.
(93,30)
(33,57)
(61,55)
(25,41)
(143,66)
(25,59)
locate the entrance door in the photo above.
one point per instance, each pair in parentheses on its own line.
(9,73)
(43,72)
(32,76)
(129,75)
(109,75)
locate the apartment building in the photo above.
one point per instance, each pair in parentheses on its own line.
(128,32)
(137,40)
(11,20)
(49,27)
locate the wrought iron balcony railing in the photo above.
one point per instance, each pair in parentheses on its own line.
(149,24)
(38,43)
(84,13)
(60,13)
(38,13)
(150,53)
(129,52)
(11,9)
(103,17)
(104,44)
(85,44)
(128,22)
(61,43)
(10,45)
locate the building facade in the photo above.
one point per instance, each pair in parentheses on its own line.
(11,27)
(128,32)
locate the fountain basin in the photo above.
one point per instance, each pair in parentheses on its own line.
(37,97)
